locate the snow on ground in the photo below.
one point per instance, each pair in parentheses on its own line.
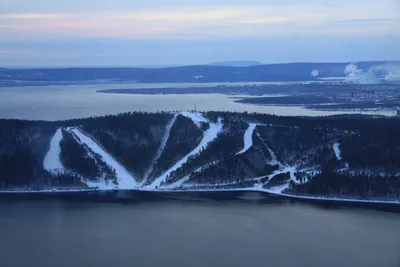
(200,169)
(209,135)
(124,178)
(247,189)
(288,169)
(52,161)
(161,148)
(248,138)
(337,151)
(221,185)
(54,190)
(275,190)
(99,183)
(178,183)
(73,135)
(274,160)
(102,184)
(292,170)
(322,198)
(196,117)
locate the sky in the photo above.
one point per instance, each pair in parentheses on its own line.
(186,32)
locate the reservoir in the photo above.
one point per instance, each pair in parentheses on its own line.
(78,101)
(194,232)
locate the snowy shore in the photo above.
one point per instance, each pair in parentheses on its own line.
(216,190)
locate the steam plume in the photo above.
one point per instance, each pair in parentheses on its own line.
(374,75)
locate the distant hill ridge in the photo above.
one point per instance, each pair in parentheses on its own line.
(244,63)
(199,73)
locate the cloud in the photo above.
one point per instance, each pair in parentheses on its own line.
(269,20)
(366,20)
(190,15)
(308,30)
(34,16)
(206,19)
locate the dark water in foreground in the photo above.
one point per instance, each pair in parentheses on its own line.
(194,232)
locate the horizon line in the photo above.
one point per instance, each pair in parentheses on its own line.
(211,64)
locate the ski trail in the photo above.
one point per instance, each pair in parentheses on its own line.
(124,178)
(209,135)
(248,138)
(74,135)
(232,183)
(283,168)
(161,148)
(338,154)
(52,162)
(98,183)
(206,166)
(280,188)
(336,149)
(274,159)
(196,117)
(187,178)
(178,183)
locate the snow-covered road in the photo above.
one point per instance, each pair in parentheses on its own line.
(278,189)
(52,161)
(124,178)
(209,135)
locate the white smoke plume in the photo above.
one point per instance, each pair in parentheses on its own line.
(315,73)
(375,74)
(393,74)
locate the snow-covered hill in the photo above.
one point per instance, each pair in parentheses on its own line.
(318,158)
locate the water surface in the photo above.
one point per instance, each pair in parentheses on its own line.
(77,101)
(48,233)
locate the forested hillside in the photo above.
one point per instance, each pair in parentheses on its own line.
(23,146)
(342,156)
(183,138)
(80,159)
(132,138)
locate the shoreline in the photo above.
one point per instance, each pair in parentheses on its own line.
(131,193)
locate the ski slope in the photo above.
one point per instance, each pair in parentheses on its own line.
(221,185)
(180,182)
(161,148)
(177,184)
(124,178)
(196,117)
(274,160)
(337,151)
(248,138)
(52,161)
(209,135)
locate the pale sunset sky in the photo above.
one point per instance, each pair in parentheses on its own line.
(184,32)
